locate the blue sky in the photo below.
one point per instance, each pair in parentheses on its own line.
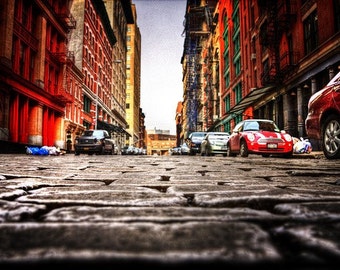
(161,25)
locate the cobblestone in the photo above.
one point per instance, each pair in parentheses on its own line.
(169,211)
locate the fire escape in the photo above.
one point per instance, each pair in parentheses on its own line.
(288,58)
(281,62)
(197,24)
(65,58)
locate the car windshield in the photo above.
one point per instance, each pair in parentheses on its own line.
(219,137)
(88,133)
(198,135)
(260,125)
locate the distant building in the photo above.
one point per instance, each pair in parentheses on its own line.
(133,73)
(159,142)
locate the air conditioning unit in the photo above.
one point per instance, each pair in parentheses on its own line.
(253,56)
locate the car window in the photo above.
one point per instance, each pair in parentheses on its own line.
(251,126)
(88,133)
(269,126)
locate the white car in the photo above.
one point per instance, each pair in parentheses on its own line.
(215,143)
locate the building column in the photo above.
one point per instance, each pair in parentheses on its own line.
(331,73)
(60,134)
(35,125)
(300,121)
(313,86)
(14,118)
(286,109)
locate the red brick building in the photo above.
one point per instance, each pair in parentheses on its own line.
(272,56)
(33,65)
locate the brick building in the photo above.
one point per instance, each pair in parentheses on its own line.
(272,56)
(34,62)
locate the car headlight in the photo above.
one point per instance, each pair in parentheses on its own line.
(251,137)
(287,137)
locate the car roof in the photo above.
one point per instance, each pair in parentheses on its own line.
(259,119)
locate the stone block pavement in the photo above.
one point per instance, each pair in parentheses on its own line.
(114,212)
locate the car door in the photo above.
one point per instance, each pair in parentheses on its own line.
(336,94)
(234,140)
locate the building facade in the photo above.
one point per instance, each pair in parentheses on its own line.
(133,73)
(36,69)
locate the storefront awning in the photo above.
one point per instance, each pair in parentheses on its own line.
(111,128)
(250,99)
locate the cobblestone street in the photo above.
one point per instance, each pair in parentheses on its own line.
(169,211)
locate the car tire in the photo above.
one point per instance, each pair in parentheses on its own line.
(243,149)
(229,153)
(331,137)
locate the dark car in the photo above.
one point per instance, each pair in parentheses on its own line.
(194,142)
(215,143)
(323,119)
(259,136)
(94,142)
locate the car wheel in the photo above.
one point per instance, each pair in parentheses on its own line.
(243,149)
(76,153)
(202,151)
(331,137)
(229,153)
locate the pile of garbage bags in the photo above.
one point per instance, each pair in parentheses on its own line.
(43,151)
(301,146)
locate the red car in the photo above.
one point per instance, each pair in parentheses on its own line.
(323,119)
(259,136)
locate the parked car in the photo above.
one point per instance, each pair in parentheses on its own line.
(194,142)
(323,119)
(94,142)
(175,151)
(215,143)
(185,150)
(128,150)
(259,136)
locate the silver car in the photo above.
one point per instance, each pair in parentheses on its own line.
(215,143)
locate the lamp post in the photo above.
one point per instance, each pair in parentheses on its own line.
(96,112)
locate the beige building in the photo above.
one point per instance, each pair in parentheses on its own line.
(120,15)
(159,142)
(133,73)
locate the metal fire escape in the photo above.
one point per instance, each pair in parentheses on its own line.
(197,23)
(279,18)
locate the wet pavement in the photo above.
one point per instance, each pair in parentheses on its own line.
(158,212)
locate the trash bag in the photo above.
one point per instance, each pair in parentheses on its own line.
(36,151)
(43,152)
(302,146)
(32,150)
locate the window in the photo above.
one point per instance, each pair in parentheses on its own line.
(227,103)
(87,104)
(336,4)
(238,93)
(310,27)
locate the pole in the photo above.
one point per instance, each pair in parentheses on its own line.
(96,113)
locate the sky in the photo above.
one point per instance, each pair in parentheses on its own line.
(161,25)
